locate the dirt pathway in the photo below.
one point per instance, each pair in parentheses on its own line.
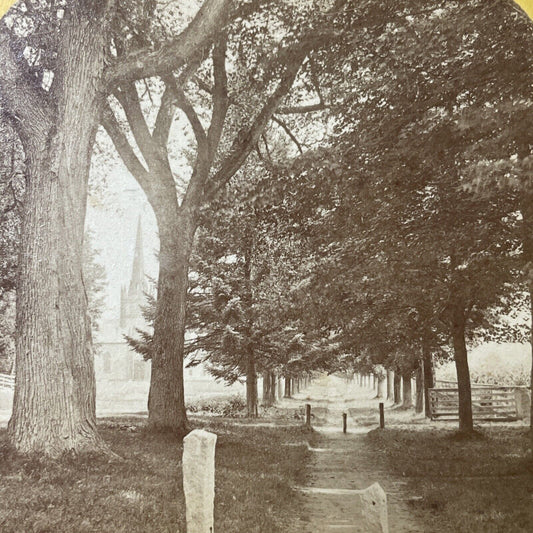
(341,463)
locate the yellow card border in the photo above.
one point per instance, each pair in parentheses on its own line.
(5,5)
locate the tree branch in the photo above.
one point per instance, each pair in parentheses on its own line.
(129,100)
(301,109)
(220,97)
(287,130)
(196,36)
(246,140)
(165,117)
(124,149)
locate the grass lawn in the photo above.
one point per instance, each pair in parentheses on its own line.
(255,468)
(477,486)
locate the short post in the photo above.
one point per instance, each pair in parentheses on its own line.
(308,415)
(199,480)
(344,416)
(381,416)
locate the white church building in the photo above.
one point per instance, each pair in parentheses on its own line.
(117,364)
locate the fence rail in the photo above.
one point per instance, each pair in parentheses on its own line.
(7,381)
(488,404)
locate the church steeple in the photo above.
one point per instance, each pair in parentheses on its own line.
(137,272)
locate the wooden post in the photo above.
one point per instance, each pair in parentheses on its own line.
(381,416)
(308,415)
(344,416)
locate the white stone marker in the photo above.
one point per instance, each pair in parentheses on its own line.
(199,480)
(374,510)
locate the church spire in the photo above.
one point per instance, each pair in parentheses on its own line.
(137,272)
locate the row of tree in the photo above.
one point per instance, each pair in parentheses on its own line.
(368,245)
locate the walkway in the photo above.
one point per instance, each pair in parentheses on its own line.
(339,461)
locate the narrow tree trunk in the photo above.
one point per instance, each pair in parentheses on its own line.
(382,386)
(390,385)
(54,400)
(273,388)
(466,424)
(397,388)
(266,388)
(429,375)
(419,377)
(407,391)
(287,387)
(527,241)
(251,386)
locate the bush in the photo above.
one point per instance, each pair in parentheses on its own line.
(231,407)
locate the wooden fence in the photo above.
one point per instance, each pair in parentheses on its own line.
(488,403)
(7,381)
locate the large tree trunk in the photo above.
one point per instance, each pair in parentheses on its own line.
(397,388)
(461,364)
(166,401)
(429,376)
(54,401)
(407,391)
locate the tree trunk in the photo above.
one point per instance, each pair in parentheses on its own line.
(54,400)
(287,387)
(166,401)
(407,391)
(382,385)
(266,388)
(397,388)
(251,386)
(526,209)
(390,385)
(273,388)
(429,376)
(419,377)
(466,424)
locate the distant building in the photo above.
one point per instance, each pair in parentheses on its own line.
(114,359)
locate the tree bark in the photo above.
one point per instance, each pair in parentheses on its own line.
(527,241)
(287,387)
(267,383)
(419,377)
(466,424)
(407,391)
(54,400)
(251,386)
(382,385)
(429,375)
(273,388)
(390,385)
(397,388)
(166,403)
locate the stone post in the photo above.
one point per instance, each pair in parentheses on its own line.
(199,480)
(374,511)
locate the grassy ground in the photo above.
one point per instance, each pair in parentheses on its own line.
(255,468)
(483,485)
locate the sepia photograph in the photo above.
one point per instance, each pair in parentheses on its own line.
(266,266)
